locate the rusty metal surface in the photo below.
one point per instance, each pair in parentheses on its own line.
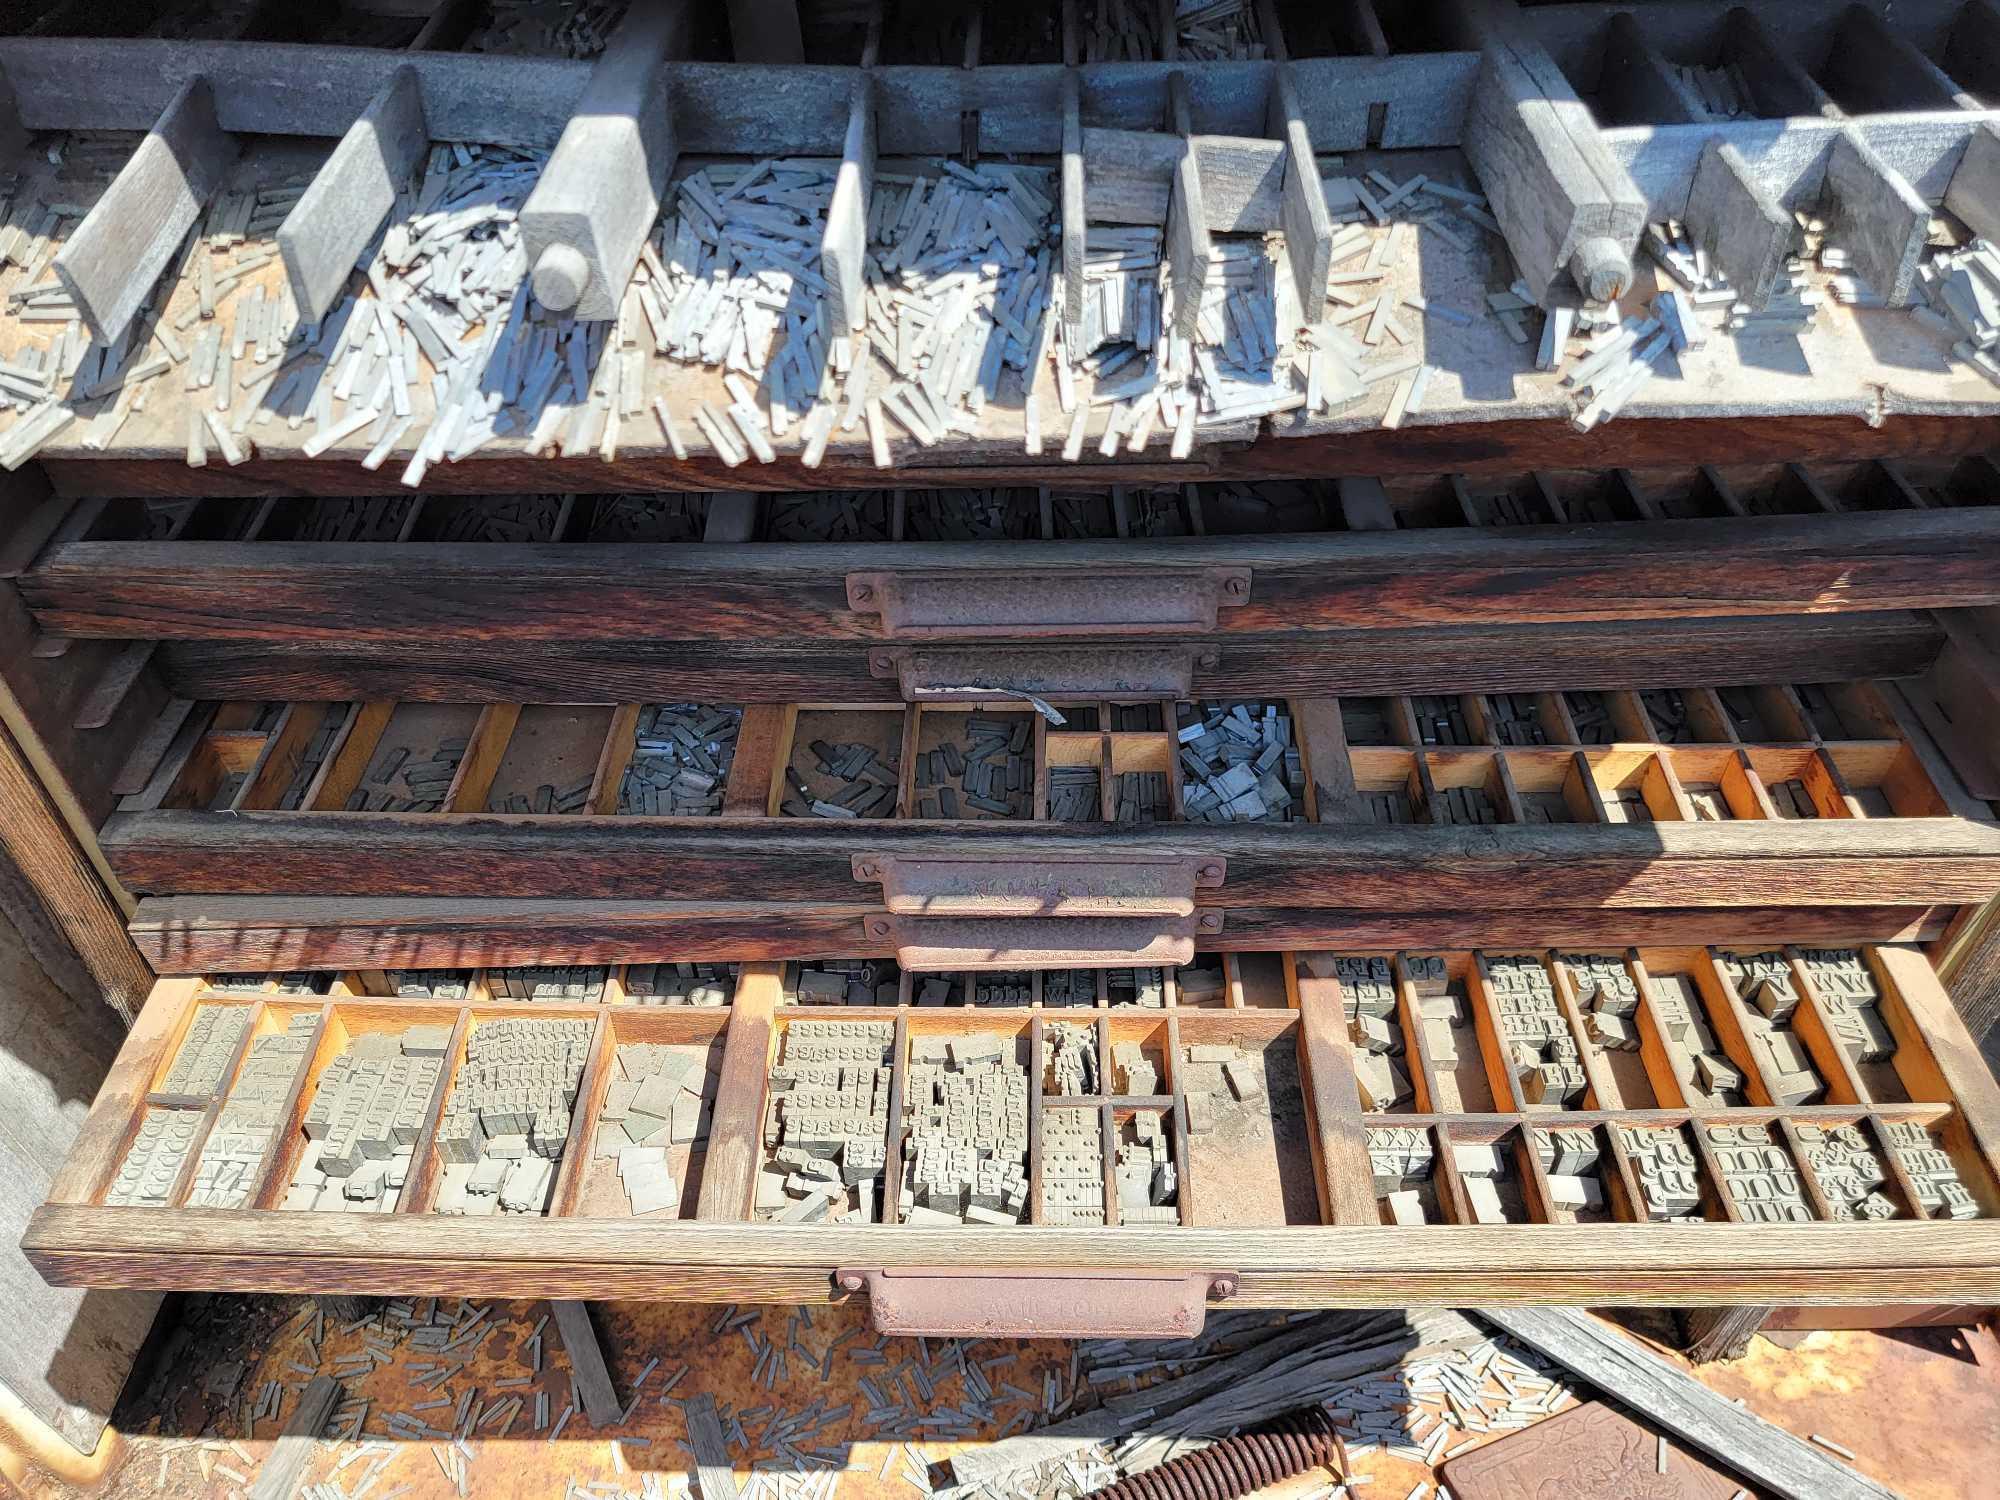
(973,606)
(1059,885)
(950,1302)
(1920,1412)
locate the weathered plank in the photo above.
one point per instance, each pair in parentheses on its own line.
(844,247)
(278,1477)
(1502,658)
(1813,862)
(203,934)
(1974,194)
(1746,232)
(1878,218)
(1768,1455)
(350,196)
(117,253)
(586,1362)
(1829,565)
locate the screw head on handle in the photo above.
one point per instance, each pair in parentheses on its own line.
(560,276)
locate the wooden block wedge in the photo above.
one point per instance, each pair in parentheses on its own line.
(116,255)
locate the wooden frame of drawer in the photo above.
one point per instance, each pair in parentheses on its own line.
(1335,1262)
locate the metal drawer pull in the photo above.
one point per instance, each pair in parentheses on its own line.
(961,606)
(956,1302)
(935,945)
(1051,886)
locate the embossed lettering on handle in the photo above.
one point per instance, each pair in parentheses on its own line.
(1031,605)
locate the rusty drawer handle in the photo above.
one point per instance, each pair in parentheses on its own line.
(1032,605)
(956,1302)
(937,945)
(1055,885)
(962,674)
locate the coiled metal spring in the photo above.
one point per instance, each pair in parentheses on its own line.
(1238,1465)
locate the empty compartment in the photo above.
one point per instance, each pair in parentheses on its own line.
(1249,1140)
(677,759)
(1763,715)
(504,1136)
(1716,783)
(215,771)
(550,762)
(1369,721)
(1635,786)
(1884,780)
(1551,786)
(974,763)
(652,1117)
(843,763)
(1257,981)
(1455,1042)
(1262,509)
